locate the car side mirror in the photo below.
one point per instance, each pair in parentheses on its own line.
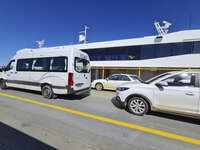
(162,83)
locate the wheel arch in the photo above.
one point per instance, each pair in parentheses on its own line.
(142,96)
(99,83)
(44,84)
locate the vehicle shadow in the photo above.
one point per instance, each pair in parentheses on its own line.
(175,117)
(116,103)
(72,97)
(161,114)
(12,139)
(63,97)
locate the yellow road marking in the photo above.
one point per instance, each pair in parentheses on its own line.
(120,123)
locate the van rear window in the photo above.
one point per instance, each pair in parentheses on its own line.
(82,65)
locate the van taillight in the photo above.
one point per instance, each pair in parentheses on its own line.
(70,79)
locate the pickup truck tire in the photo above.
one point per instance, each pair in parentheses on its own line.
(2,84)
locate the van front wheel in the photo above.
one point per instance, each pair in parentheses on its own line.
(3,84)
(47,92)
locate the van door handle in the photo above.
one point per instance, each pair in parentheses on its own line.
(189,94)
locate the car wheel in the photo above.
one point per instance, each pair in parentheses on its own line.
(3,84)
(138,106)
(99,86)
(47,92)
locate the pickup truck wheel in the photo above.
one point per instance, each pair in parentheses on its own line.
(138,106)
(47,92)
(3,84)
(99,86)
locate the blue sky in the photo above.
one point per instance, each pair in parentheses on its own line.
(58,22)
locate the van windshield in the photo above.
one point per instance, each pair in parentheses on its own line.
(82,65)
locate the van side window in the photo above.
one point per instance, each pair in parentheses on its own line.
(40,64)
(58,64)
(24,64)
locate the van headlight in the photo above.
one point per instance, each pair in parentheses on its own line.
(122,88)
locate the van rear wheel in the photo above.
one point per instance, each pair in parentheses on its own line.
(3,84)
(47,92)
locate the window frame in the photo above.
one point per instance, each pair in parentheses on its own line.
(66,65)
(196,84)
(75,58)
(48,69)
(17,68)
(48,65)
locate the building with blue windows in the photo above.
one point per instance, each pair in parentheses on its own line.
(147,56)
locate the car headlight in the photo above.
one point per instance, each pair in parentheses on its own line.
(122,88)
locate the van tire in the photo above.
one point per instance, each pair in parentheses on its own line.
(47,92)
(3,84)
(99,87)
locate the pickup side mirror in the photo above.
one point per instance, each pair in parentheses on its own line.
(162,83)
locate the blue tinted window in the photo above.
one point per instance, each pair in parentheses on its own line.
(147,51)
(196,47)
(163,50)
(143,51)
(187,47)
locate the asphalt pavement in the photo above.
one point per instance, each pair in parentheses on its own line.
(25,125)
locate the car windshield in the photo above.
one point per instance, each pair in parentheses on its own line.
(156,78)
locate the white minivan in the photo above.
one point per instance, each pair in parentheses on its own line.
(56,70)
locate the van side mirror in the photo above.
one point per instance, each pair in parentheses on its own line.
(2,69)
(162,83)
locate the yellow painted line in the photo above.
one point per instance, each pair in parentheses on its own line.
(120,123)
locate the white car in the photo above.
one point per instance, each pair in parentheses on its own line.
(177,92)
(113,81)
